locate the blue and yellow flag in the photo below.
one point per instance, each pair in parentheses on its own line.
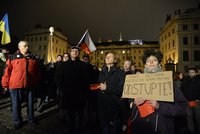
(4,28)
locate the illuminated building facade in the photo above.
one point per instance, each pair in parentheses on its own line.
(40,43)
(131,50)
(180,39)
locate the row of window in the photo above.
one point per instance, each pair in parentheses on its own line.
(196,55)
(43,48)
(40,48)
(122,51)
(32,39)
(184,27)
(185,41)
(168,34)
(192,27)
(41,38)
(186,55)
(196,40)
(168,46)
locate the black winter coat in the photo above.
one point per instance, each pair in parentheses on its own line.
(191,88)
(109,100)
(72,78)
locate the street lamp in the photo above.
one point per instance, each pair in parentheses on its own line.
(170,65)
(51,30)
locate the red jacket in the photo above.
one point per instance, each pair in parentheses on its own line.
(20,71)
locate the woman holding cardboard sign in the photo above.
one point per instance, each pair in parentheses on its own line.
(152,116)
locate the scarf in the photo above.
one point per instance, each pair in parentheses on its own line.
(153,70)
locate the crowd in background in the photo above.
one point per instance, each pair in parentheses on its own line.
(68,81)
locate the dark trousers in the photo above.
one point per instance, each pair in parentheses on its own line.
(75,121)
(17,97)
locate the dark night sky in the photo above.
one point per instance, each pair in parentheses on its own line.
(140,19)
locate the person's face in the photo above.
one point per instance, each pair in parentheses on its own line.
(127,65)
(181,76)
(133,68)
(151,62)
(198,71)
(65,57)
(86,60)
(192,73)
(4,51)
(23,47)
(59,58)
(110,59)
(74,53)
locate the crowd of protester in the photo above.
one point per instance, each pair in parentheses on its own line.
(67,82)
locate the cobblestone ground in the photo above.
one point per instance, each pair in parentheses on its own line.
(48,121)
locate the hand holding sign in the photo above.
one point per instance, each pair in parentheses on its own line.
(139,100)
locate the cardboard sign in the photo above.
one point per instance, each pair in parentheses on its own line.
(157,86)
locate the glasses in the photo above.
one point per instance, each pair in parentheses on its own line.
(151,60)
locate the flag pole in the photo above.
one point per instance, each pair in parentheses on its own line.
(51,30)
(82,37)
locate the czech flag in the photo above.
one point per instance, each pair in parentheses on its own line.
(4,28)
(86,43)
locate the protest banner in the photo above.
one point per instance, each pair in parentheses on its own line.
(157,86)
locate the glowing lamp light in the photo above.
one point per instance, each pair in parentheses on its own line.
(51,30)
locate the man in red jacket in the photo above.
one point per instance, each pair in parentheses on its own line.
(20,77)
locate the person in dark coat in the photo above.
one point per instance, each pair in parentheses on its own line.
(180,123)
(124,106)
(191,91)
(65,58)
(73,81)
(41,89)
(59,60)
(93,74)
(161,120)
(111,79)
